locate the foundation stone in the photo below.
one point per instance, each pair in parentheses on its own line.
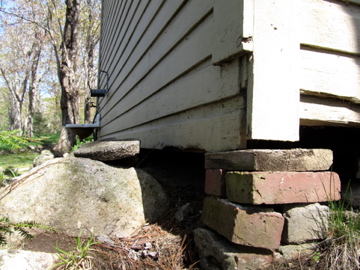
(245,225)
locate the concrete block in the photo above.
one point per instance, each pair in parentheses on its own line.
(282,187)
(108,150)
(292,160)
(305,223)
(217,252)
(215,182)
(250,226)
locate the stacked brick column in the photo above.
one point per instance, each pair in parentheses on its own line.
(262,201)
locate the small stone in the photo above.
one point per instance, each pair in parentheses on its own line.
(44,156)
(216,252)
(294,252)
(23,259)
(304,223)
(215,183)
(251,226)
(108,150)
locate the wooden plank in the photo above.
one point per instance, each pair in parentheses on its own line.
(211,128)
(331,25)
(189,53)
(273,94)
(233,29)
(325,112)
(203,85)
(325,74)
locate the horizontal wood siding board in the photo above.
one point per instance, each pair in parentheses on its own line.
(203,85)
(162,14)
(148,56)
(186,55)
(121,25)
(113,11)
(330,74)
(325,112)
(330,24)
(113,23)
(211,128)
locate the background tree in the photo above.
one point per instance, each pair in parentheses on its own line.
(57,40)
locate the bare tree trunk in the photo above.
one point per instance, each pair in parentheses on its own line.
(67,77)
(33,87)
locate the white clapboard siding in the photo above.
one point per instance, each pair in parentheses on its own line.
(212,128)
(233,29)
(187,55)
(330,63)
(149,53)
(205,84)
(124,38)
(333,75)
(333,25)
(316,111)
(153,23)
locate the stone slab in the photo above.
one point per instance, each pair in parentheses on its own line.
(108,150)
(305,223)
(215,182)
(282,187)
(214,251)
(250,226)
(292,160)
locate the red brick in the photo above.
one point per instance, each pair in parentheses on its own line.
(282,187)
(250,226)
(215,182)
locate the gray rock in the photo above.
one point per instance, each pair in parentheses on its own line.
(78,194)
(23,259)
(217,253)
(293,252)
(304,223)
(44,156)
(108,150)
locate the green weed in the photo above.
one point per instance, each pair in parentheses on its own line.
(80,258)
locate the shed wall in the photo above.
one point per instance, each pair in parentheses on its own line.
(164,89)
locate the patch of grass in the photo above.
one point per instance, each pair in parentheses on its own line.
(17,161)
(80,258)
(341,250)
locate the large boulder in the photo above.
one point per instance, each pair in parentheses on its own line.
(79,194)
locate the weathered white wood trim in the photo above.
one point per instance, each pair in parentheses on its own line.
(326,112)
(232,30)
(213,128)
(330,25)
(273,94)
(324,74)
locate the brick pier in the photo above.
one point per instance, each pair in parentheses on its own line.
(264,205)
